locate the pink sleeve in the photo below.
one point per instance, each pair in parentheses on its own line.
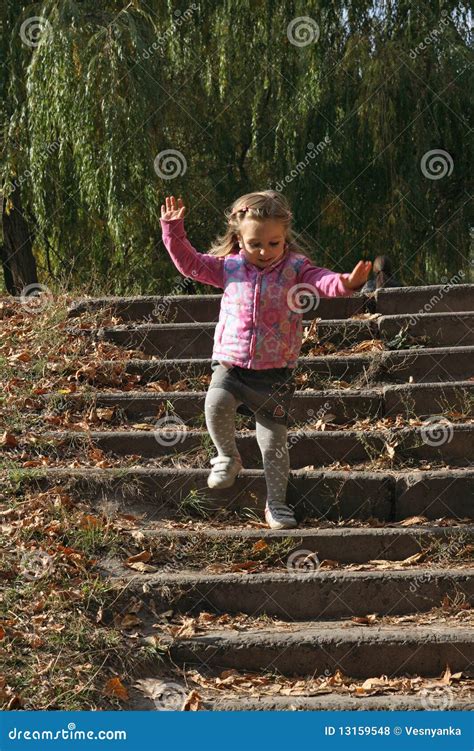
(328,283)
(199,266)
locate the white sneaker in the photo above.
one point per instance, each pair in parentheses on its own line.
(225,470)
(279,516)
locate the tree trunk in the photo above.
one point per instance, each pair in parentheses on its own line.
(18,261)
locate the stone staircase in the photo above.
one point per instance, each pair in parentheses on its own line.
(381,433)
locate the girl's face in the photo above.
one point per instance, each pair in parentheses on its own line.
(262,240)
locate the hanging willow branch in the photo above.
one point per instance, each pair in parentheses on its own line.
(106,89)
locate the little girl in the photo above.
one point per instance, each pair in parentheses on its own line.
(258,337)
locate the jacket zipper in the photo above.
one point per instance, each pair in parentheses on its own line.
(256,301)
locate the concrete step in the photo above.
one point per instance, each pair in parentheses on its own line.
(430,299)
(327,698)
(334,496)
(318,594)
(410,400)
(341,544)
(315,649)
(186,308)
(439,440)
(421,365)
(191,340)
(194,308)
(443,700)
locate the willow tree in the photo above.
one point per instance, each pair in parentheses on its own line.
(336,103)
(16,253)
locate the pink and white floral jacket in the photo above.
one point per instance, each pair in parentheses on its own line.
(261,316)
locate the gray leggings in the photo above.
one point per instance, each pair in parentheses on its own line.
(220,410)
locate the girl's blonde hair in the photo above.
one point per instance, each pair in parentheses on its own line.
(264,204)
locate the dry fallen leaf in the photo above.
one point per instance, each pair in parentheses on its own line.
(445,679)
(115,687)
(412,520)
(105,413)
(186,629)
(8,440)
(371,683)
(142,567)
(144,556)
(193,702)
(128,621)
(412,559)
(365,620)
(245,566)
(89,522)
(158,386)
(390,449)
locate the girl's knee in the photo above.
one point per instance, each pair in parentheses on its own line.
(220,397)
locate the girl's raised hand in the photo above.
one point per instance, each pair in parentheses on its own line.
(358,276)
(172,209)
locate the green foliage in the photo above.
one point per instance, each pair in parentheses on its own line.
(109,86)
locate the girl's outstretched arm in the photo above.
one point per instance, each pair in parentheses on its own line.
(201,267)
(331,284)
